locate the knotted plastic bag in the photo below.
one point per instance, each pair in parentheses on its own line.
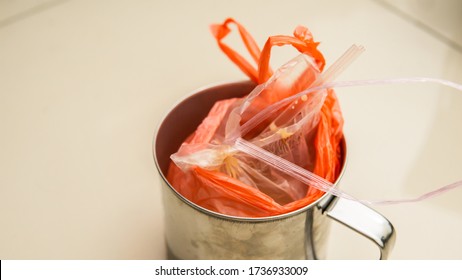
(209,170)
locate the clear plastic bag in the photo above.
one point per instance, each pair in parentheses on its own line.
(277,149)
(211,172)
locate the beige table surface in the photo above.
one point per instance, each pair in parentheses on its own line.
(83,85)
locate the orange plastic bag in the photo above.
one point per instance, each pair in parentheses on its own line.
(308,132)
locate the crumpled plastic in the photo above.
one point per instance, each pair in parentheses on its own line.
(209,171)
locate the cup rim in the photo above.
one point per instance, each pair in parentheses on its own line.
(326,197)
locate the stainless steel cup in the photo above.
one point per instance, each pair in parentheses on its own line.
(193,232)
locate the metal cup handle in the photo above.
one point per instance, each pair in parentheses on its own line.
(363,220)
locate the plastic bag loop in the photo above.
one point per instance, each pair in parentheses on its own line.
(220,31)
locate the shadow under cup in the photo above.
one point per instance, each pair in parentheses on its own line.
(193,232)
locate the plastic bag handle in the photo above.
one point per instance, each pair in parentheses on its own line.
(302,41)
(220,31)
(363,220)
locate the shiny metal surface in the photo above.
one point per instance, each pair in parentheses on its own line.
(365,221)
(193,232)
